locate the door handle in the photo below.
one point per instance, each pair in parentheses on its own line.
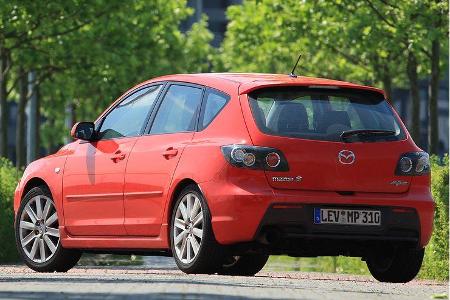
(170,152)
(118,157)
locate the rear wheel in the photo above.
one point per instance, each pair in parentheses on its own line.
(400,265)
(37,234)
(245,265)
(193,244)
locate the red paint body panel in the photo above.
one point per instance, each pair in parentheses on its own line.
(109,201)
(147,180)
(114,242)
(44,169)
(93,187)
(241,210)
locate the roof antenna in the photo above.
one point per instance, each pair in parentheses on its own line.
(292,74)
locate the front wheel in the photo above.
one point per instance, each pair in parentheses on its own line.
(37,234)
(192,240)
(400,265)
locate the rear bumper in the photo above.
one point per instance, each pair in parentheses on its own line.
(289,229)
(242,212)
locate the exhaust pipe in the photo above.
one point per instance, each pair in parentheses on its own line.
(273,236)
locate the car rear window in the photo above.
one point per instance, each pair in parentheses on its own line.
(324,114)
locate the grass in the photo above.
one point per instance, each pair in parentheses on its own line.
(341,264)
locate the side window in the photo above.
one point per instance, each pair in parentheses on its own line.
(128,118)
(215,101)
(178,111)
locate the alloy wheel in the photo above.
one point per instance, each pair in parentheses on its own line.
(188,228)
(38,229)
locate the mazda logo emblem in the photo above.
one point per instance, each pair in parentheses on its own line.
(346,157)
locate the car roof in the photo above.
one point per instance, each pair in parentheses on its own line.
(248,82)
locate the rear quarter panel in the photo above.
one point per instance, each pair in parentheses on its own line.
(202,159)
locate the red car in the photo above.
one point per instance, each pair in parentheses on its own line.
(223,170)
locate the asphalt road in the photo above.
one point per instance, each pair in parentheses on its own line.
(165,282)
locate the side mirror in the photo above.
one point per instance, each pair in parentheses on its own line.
(83,131)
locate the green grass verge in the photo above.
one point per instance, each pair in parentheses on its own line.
(344,265)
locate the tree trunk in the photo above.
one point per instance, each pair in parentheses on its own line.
(33,122)
(415,97)
(3,103)
(387,84)
(37,128)
(433,91)
(20,125)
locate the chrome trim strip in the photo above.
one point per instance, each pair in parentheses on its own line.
(95,196)
(144,194)
(114,195)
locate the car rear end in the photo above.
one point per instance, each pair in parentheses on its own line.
(344,175)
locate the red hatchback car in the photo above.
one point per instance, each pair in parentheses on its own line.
(223,170)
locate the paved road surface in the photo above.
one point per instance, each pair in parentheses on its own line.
(18,282)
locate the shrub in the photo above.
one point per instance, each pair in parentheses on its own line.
(9,177)
(436,255)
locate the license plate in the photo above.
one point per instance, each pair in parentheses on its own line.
(346,216)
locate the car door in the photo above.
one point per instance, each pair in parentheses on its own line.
(94,173)
(155,157)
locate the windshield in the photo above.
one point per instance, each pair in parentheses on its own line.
(324,114)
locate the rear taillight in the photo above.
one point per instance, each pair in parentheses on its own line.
(253,157)
(413,163)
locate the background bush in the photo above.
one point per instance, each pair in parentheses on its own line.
(436,256)
(9,177)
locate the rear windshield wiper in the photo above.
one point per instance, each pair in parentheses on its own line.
(366,133)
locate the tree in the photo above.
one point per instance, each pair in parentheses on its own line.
(422,27)
(136,43)
(380,42)
(20,121)
(437,17)
(86,53)
(23,27)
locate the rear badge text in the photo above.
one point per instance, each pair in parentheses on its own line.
(287,179)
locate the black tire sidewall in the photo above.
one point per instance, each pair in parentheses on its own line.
(404,267)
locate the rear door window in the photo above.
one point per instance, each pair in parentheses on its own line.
(324,114)
(178,111)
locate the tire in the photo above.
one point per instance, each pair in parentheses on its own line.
(38,229)
(247,265)
(209,255)
(399,266)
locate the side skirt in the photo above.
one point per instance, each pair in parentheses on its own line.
(116,243)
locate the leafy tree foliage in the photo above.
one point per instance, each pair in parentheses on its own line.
(86,53)
(380,42)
